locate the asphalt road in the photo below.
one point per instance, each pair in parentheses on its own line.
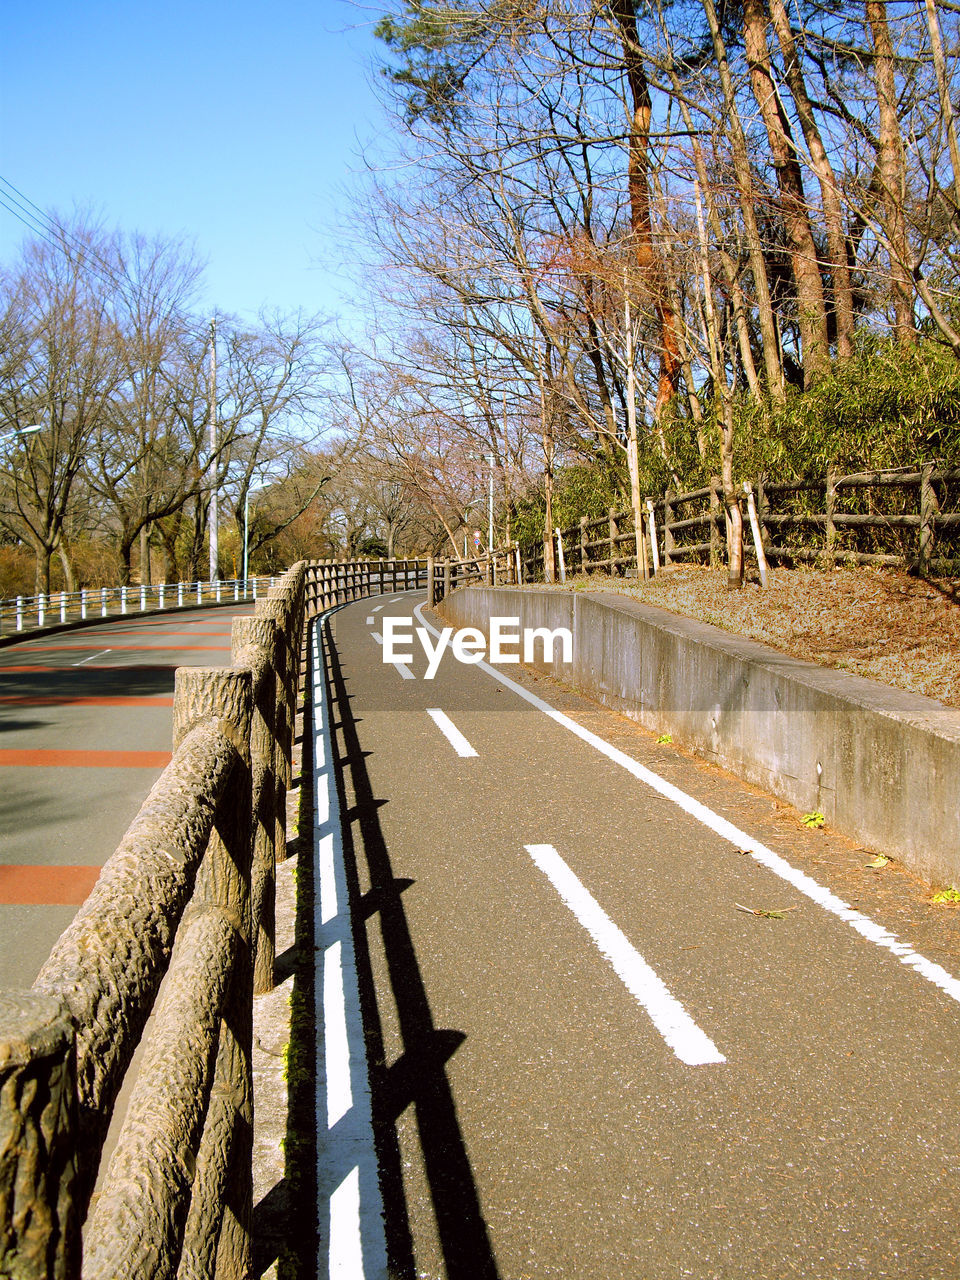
(85,729)
(586,1058)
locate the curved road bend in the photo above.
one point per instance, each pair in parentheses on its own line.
(85,729)
(586,1061)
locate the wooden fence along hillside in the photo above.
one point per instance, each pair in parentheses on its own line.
(188,894)
(906,518)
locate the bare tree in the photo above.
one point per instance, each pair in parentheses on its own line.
(60,371)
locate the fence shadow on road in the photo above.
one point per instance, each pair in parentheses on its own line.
(285,1220)
(419,1077)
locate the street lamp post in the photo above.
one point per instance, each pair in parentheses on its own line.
(212,514)
(21,431)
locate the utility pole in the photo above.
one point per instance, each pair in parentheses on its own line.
(212,517)
(490,460)
(633,448)
(546,426)
(507,487)
(246,541)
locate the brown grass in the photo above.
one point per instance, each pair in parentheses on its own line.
(879,623)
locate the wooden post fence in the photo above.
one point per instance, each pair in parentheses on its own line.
(189,893)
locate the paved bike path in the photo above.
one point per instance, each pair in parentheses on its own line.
(529,914)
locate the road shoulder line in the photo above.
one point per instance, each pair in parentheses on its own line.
(350,1208)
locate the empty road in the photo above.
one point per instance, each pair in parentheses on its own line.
(85,729)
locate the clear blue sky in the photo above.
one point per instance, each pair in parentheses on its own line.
(233,123)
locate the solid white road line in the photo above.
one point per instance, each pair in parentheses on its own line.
(450,731)
(803,883)
(91,658)
(336,1038)
(350,1218)
(667,1014)
(346,1240)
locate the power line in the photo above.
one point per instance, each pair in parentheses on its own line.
(57,236)
(46,223)
(40,232)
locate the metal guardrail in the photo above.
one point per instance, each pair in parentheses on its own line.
(22,614)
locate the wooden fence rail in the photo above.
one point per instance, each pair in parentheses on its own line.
(908,518)
(188,896)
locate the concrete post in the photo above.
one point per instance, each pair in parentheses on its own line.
(39,1209)
(223,1185)
(253,646)
(277,612)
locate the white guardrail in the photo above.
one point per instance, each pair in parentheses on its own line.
(22,614)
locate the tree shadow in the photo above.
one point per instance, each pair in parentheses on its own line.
(950,590)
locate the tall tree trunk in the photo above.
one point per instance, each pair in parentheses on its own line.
(729,269)
(125,548)
(892,172)
(41,580)
(723,391)
(748,202)
(638,186)
(829,189)
(734,516)
(683,350)
(595,357)
(66,563)
(811,309)
(145,556)
(168,530)
(943,88)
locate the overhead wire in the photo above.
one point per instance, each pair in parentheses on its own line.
(57,236)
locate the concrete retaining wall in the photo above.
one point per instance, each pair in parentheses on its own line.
(881,764)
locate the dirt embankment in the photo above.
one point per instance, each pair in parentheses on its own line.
(882,624)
